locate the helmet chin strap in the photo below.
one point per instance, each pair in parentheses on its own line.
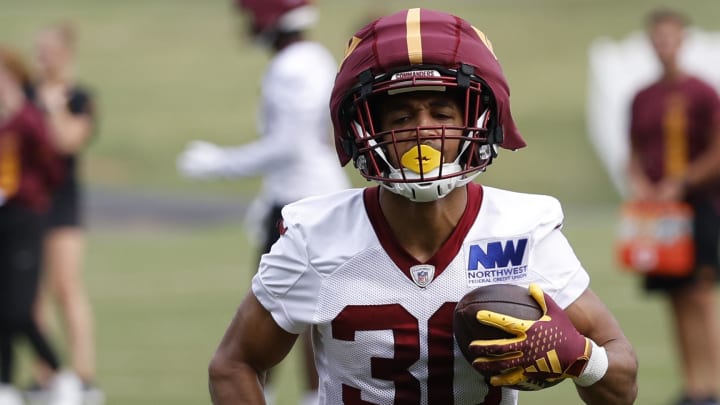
(430,190)
(426,191)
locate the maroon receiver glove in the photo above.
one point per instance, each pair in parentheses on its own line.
(543,353)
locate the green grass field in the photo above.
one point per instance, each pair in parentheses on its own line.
(168,71)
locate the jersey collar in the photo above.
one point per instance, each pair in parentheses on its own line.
(448,251)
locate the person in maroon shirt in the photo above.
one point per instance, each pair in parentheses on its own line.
(675,156)
(29,169)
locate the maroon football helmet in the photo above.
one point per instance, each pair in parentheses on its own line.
(421,50)
(270,17)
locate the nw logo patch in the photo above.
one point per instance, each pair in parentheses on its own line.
(497,260)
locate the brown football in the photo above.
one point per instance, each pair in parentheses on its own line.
(506,299)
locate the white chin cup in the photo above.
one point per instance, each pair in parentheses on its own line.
(427,191)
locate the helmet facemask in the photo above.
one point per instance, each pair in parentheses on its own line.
(423,173)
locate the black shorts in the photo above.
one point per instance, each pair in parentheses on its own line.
(65,207)
(21,234)
(706,231)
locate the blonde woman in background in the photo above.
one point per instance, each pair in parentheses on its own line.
(70,117)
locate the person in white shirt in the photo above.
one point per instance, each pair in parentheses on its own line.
(294,152)
(421,106)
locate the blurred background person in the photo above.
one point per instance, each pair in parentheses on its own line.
(293,152)
(29,169)
(69,112)
(675,156)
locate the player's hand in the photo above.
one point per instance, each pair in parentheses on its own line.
(542,353)
(201,160)
(670,189)
(643,191)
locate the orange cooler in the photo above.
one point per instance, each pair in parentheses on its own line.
(656,238)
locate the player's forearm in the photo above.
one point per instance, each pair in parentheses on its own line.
(619,385)
(257,158)
(234,384)
(637,181)
(704,170)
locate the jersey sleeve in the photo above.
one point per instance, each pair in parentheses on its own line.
(554,261)
(80,102)
(286,285)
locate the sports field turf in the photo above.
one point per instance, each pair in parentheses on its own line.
(168,71)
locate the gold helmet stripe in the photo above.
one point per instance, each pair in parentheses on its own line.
(414,39)
(354,42)
(485,41)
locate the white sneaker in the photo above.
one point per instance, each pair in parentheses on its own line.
(93,395)
(65,389)
(9,395)
(36,395)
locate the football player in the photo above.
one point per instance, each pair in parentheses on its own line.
(294,152)
(421,106)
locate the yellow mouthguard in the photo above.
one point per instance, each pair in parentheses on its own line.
(429,157)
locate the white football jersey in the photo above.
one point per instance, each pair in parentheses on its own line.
(294,153)
(381,321)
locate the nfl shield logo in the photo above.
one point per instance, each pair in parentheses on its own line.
(422,274)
